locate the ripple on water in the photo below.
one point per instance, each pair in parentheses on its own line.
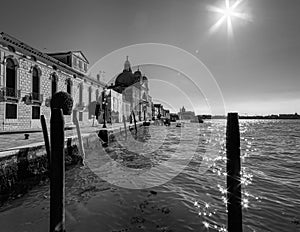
(194,200)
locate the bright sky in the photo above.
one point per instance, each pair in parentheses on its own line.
(257,68)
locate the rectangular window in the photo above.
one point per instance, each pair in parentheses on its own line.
(35,112)
(74,61)
(80,64)
(11,111)
(69,60)
(85,66)
(80,116)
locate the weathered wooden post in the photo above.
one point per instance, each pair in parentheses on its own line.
(61,103)
(234,206)
(46,139)
(124,121)
(80,142)
(57,172)
(134,122)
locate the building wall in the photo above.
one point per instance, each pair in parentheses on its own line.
(126,109)
(24,119)
(187,115)
(115,106)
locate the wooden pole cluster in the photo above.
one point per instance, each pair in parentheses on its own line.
(57,172)
(234,206)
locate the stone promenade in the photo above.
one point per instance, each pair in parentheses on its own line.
(12,141)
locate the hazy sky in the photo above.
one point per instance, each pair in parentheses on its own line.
(258,69)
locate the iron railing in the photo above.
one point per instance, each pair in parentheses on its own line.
(9,93)
(80,106)
(36,97)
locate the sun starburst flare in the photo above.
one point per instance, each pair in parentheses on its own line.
(228,13)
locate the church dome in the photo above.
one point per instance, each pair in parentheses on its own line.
(145,78)
(137,75)
(126,78)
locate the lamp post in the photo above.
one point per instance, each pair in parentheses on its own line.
(145,109)
(104,104)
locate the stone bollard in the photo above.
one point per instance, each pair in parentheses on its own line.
(103,135)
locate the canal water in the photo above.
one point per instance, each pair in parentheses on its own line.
(173,179)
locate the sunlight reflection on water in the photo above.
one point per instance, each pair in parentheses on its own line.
(191,201)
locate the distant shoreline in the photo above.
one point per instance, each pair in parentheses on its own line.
(255,117)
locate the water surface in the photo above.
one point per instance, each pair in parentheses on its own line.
(193,200)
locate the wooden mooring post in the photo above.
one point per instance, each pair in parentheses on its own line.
(234,207)
(134,120)
(46,139)
(57,172)
(80,142)
(124,121)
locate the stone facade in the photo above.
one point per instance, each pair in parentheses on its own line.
(186,115)
(134,88)
(22,102)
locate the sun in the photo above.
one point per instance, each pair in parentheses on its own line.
(228,13)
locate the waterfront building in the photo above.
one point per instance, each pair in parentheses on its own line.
(158,111)
(135,90)
(114,106)
(167,113)
(29,78)
(186,115)
(173,117)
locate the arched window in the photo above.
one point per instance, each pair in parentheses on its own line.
(35,84)
(80,101)
(69,86)
(90,100)
(90,94)
(80,93)
(97,94)
(11,82)
(54,80)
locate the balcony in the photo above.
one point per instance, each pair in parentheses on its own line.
(36,98)
(80,106)
(10,94)
(33,99)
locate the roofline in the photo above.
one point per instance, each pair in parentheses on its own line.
(24,48)
(57,53)
(82,55)
(67,53)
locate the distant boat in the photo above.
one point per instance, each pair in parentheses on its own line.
(167,122)
(146,123)
(179,124)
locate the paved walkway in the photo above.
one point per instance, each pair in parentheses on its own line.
(16,140)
